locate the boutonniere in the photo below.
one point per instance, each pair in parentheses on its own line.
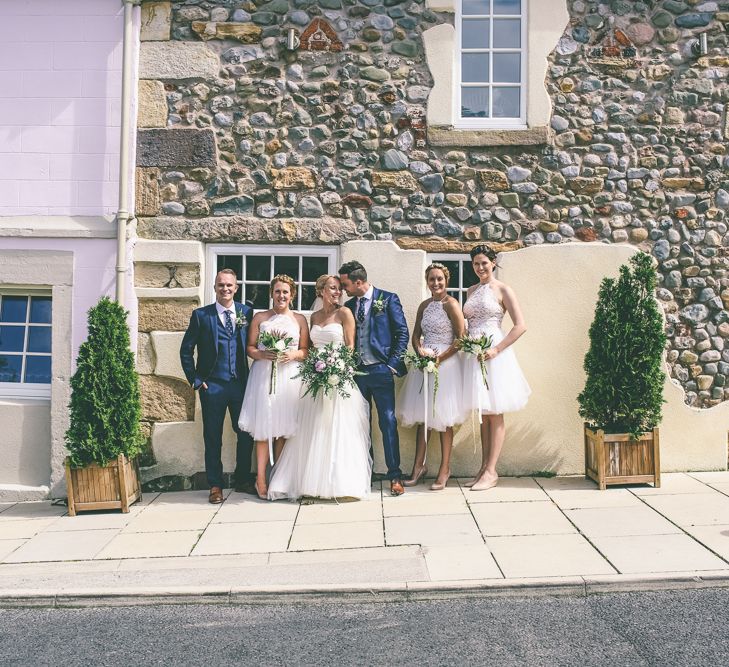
(240,321)
(379,304)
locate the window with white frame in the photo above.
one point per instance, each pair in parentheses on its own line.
(25,343)
(257,265)
(461,272)
(491,63)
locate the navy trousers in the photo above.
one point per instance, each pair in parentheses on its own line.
(221,397)
(379,384)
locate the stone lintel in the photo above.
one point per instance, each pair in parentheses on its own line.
(177,60)
(217,229)
(439,244)
(166,252)
(449,136)
(176,148)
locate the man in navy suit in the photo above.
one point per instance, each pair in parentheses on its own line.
(381,339)
(219,332)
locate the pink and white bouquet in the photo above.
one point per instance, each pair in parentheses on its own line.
(278,342)
(329,369)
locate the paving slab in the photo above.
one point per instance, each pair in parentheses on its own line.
(509,489)
(41,509)
(698,509)
(673,483)
(339,513)
(181,500)
(587,498)
(356,534)
(435,503)
(534,518)
(193,562)
(461,562)
(150,545)
(712,477)
(75,545)
(547,556)
(8,546)
(169,520)
(24,528)
(615,521)
(6,506)
(714,537)
(408,552)
(443,530)
(657,553)
(94,520)
(246,508)
(248,537)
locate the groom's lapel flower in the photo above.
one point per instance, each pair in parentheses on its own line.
(379,304)
(240,321)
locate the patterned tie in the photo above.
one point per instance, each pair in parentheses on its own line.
(228,323)
(361,310)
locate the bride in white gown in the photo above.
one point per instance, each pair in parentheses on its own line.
(329,456)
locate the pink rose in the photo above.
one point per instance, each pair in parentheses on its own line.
(319,366)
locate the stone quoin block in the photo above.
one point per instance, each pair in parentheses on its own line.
(176,148)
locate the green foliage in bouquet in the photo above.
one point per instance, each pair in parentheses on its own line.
(105,407)
(624,388)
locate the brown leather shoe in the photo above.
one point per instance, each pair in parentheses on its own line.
(396,488)
(216,495)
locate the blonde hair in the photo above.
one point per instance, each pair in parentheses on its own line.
(321,283)
(283,278)
(441,267)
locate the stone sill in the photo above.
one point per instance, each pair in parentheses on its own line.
(58,226)
(159,252)
(449,136)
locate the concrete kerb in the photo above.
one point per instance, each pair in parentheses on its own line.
(582,586)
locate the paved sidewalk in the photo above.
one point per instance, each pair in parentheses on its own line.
(528,533)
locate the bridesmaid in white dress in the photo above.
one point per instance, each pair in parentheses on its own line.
(438,324)
(265,415)
(507,390)
(329,456)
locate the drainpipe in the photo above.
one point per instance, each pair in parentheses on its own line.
(123,216)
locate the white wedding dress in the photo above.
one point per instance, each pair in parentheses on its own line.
(329,456)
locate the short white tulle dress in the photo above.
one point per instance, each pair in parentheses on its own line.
(449,408)
(329,457)
(265,415)
(508,390)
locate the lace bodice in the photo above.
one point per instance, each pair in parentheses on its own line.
(284,323)
(329,333)
(436,326)
(482,310)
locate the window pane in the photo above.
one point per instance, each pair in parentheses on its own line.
(314,267)
(475,67)
(507,67)
(40,309)
(507,34)
(257,296)
(11,339)
(38,370)
(13,308)
(469,275)
(475,34)
(507,6)
(476,7)
(475,102)
(39,339)
(286,264)
(453,267)
(308,296)
(234,262)
(506,102)
(258,267)
(10,367)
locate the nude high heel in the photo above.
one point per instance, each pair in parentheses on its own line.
(416,479)
(439,486)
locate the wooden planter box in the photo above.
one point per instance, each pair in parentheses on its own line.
(114,486)
(615,458)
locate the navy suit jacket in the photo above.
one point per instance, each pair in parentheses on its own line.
(388,329)
(202,333)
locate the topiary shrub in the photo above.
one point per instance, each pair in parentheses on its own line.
(105,406)
(624,388)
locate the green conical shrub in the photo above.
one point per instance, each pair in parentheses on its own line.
(624,388)
(105,406)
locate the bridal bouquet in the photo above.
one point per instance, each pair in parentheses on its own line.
(274,341)
(331,368)
(425,362)
(476,345)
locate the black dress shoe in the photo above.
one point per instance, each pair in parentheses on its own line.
(245,486)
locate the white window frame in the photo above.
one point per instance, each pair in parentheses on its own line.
(11,390)
(451,257)
(519,123)
(216,249)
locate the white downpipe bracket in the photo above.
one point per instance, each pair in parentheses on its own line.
(123,215)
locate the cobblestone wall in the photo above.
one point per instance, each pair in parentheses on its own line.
(246,137)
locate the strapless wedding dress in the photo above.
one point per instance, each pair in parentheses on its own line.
(329,456)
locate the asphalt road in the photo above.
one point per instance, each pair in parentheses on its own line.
(666,628)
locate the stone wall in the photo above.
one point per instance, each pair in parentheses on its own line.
(246,141)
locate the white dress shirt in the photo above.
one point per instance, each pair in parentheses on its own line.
(367,296)
(221,312)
